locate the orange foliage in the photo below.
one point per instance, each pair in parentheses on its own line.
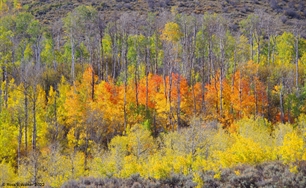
(242,96)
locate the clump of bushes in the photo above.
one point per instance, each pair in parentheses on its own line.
(135,181)
(292,13)
(269,174)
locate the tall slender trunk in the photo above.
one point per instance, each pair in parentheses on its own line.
(221,76)
(178,102)
(221,92)
(170,99)
(203,84)
(72,57)
(252,46)
(212,66)
(102,60)
(114,55)
(192,80)
(55,119)
(233,77)
(288,112)
(92,85)
(269,44)
(258,49)
(240,96)
(156,54)
(114,63)
(19,144)
(99,64)
(34,134)
(203,75)
(256,98)
(273,50)
(35,165)
(38,51)
(87,145)
(154,124)
(1,93)
(26,120)
(137,74)
(268,100)
(5,79)
(147,76)
(297,64)
(125,84)
(281,104)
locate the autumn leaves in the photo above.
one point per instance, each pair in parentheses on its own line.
(108,101)
(244,95)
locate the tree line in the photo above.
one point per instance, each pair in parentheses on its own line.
(80,82)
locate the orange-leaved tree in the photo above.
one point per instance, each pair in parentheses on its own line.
(243,96)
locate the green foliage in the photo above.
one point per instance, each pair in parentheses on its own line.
(285,47)
(47,54)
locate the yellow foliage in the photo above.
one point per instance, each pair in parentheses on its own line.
(76,165)
(130,166)
(7,174)
(42,126)
(71,138)
(294,169)
(102,166)
(280,131)
(171,32)
(140,141)
(292,148)
(159,166)
(259,130)
(57,168)
(237,172)
(198,179)
(243,151)
(217,175)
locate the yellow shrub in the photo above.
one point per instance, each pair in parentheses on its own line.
(197,178)
(182,164)
(217,175)
(159,167)
(244,151)
(130,166)
(259,130)
(292,148)
(294,169)
(7,174)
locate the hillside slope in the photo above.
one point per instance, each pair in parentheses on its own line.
(289,12)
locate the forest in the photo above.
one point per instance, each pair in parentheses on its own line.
(150,100)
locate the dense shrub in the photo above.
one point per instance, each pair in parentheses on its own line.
(284,19)
(151,4)
(301,6)
(135,181)
(274,5)
(271,174)
(292,13)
